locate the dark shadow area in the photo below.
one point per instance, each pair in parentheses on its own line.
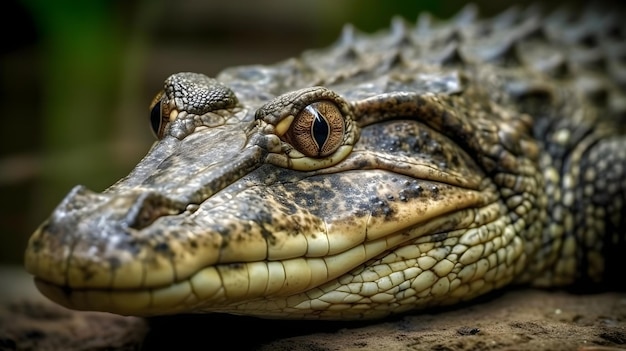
(199,331)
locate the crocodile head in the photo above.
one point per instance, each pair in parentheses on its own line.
(352,182)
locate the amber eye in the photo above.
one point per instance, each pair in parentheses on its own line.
(318,129)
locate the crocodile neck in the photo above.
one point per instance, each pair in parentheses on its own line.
(583,167)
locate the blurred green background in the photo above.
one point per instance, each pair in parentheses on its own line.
(77,77)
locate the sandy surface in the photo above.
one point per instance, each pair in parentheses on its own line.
(513,320)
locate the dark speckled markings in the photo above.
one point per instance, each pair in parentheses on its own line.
(419,166)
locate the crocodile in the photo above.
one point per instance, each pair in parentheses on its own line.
(415,167)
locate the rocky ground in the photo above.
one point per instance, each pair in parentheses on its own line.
(512,320)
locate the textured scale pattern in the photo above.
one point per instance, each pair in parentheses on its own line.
(476,153)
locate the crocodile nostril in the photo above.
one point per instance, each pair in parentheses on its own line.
(150,206)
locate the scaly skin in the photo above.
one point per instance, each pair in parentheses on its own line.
(415,167)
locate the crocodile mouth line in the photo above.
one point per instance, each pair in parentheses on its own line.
(210,287)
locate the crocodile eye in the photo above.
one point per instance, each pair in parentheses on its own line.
(157,121)
(318,129)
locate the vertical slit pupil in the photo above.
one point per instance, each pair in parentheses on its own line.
(320,129)
(156,118)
